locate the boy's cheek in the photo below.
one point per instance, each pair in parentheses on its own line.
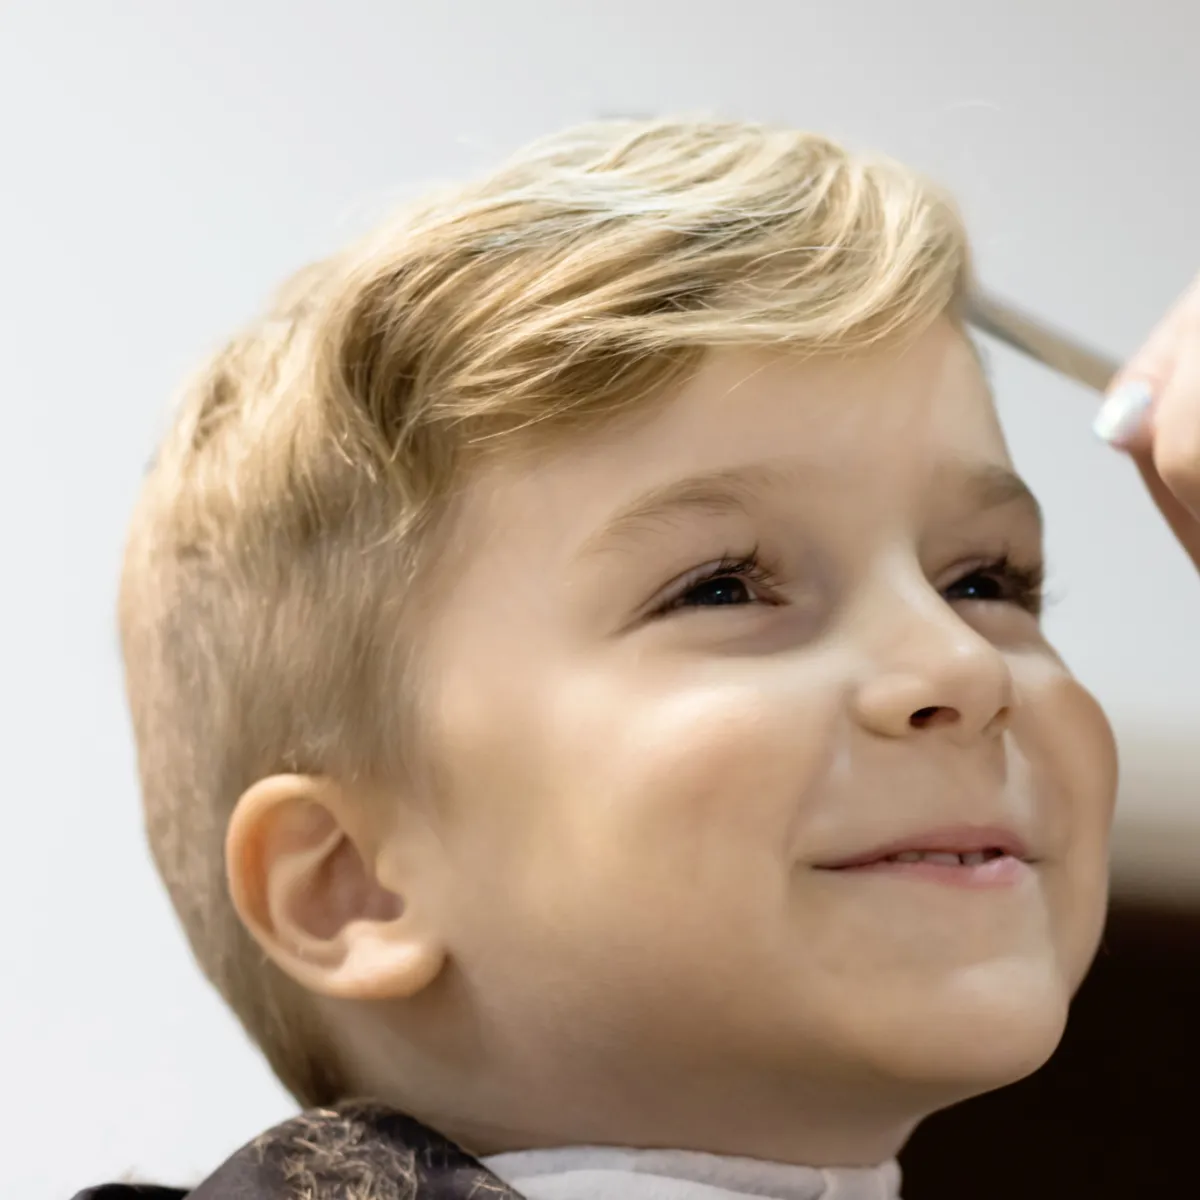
(689,761)
(1068,746)
(592,793)
(1066,741)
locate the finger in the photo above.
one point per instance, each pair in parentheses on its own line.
(1123,420)
(1182,521)
(1174,428)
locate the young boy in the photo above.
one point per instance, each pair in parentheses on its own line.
(586,668)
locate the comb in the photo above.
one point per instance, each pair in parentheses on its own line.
(1040,341)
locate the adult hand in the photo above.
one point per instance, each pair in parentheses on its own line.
(1153,413)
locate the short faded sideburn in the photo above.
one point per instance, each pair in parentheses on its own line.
(279,537)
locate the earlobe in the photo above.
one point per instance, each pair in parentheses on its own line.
(300,858)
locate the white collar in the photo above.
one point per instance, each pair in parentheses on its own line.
(602,1173)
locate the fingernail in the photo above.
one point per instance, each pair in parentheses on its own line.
(1120,416)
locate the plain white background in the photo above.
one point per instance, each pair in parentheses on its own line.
(164,165)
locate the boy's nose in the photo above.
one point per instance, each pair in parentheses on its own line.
(936,676)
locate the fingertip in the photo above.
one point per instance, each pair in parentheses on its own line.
(1122,415)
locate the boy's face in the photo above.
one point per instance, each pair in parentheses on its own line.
(689,672)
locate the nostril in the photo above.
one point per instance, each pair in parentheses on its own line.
(928,718)
(1000,722)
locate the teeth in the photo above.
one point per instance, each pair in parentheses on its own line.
(945,858)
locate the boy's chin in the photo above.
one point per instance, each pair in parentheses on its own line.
(961,1045)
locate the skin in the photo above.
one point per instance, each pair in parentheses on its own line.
(606,914)
(1166,448)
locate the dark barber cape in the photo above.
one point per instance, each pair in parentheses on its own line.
(364,1151)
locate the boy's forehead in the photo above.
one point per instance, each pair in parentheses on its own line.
(748,422)
(742,405)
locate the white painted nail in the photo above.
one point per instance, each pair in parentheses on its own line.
(1121,415)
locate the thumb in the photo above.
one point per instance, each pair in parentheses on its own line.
(1125,418)
(1153,414)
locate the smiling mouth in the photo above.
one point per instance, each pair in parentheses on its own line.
(973,858)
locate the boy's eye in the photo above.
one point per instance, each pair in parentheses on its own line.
(732,582)
(1000,582)
(736,583)
(726,589)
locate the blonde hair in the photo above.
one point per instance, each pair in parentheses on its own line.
(279,535)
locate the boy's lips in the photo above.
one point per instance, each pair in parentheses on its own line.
(967,856)
(959,839)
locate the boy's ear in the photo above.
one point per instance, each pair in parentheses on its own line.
(304,860)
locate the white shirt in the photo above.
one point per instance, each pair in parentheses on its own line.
(601,1173)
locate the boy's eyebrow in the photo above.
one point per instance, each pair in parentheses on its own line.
(987,486)
(713,493)
(983,487)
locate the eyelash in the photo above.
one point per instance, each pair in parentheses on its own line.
(749,568)
(1022,586)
